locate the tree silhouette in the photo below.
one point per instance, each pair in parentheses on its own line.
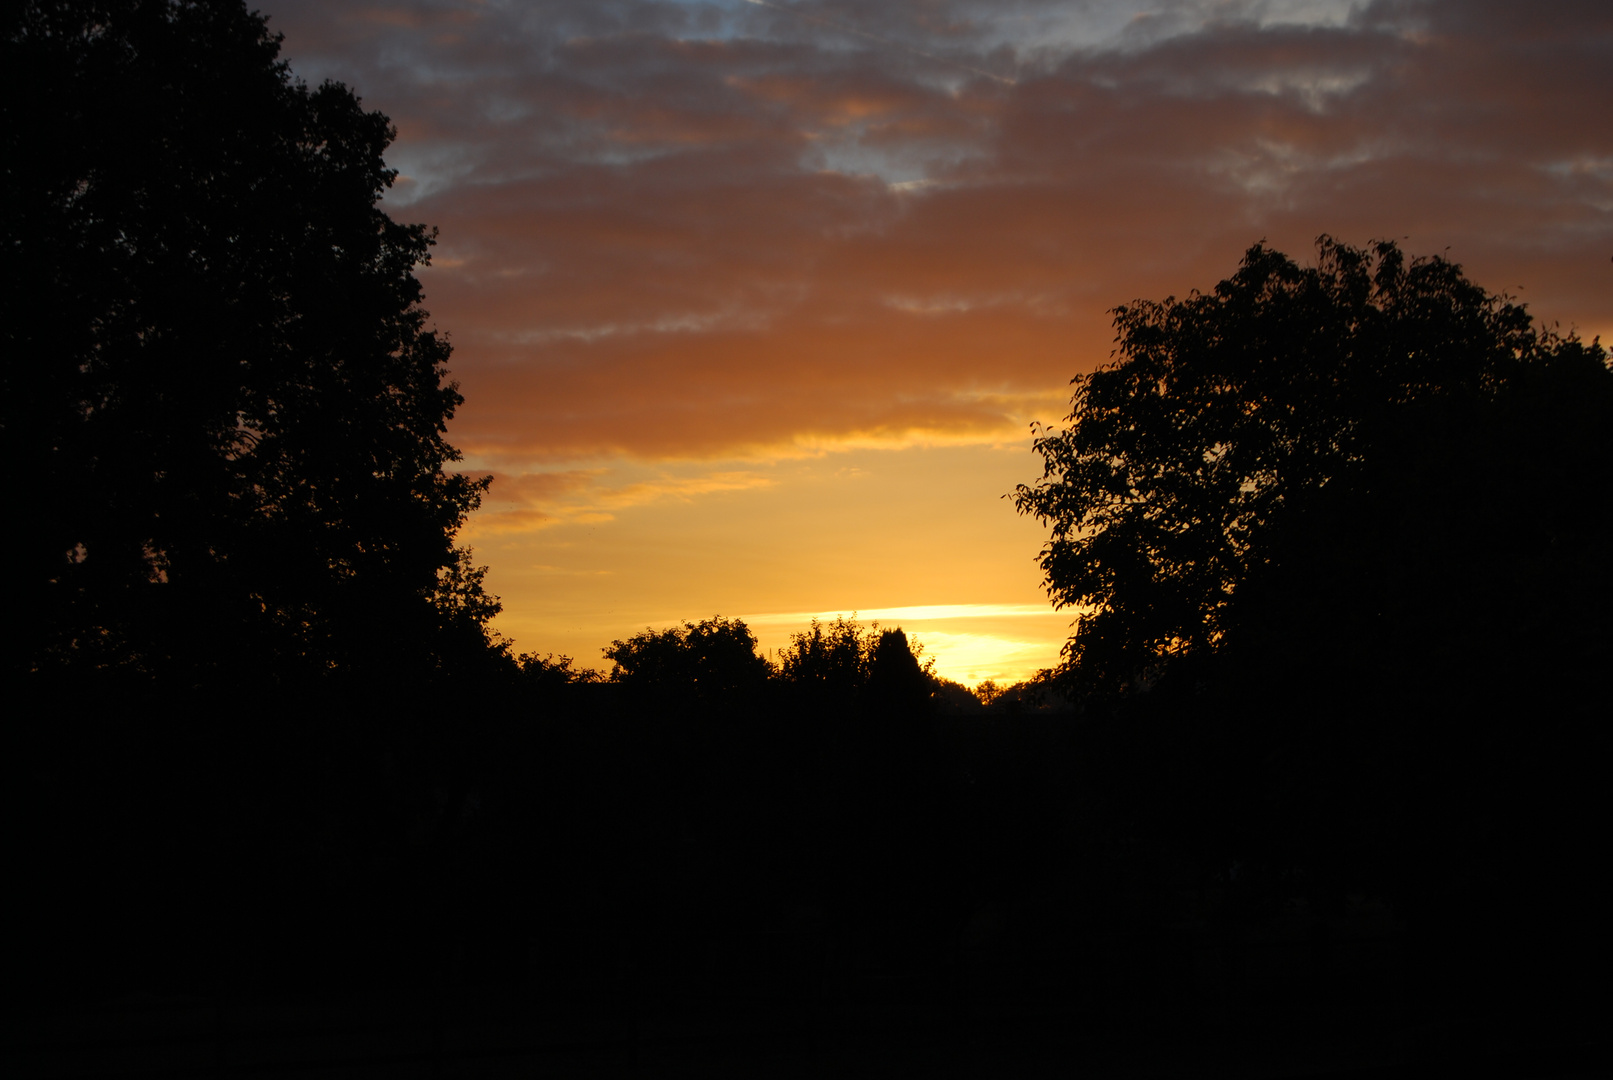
(712,663)
(898,684)
(1240,429)
(1339,536)
(219,380)
(826,667)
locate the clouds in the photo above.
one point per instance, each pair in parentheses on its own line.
(706,264)
(726,230)
(529,501)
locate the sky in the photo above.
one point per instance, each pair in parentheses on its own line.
(753,304)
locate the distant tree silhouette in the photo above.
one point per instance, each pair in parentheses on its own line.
(827,665)
(541,673)
(954,697)
(219,379)
(844,666)
(1242,433)
(898,684)
(713,662)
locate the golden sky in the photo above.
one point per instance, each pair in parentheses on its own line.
(752,304)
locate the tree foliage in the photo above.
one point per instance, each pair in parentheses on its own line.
(219,382)
(709,662)
(842,664)
(829,663)
(837,669)
(1241,433)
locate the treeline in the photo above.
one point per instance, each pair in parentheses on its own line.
(296,834)
(700,828)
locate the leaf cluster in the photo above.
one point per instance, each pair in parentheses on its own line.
(830,660)
(712,661)
(1226,416)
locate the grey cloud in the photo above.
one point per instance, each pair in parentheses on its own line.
(669,229)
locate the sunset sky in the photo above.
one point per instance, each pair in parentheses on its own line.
(753,304)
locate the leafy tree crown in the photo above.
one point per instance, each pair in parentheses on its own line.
(1225,415)
(219,376)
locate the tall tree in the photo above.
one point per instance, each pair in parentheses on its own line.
(1363,444)
(1338,536)
(219,382)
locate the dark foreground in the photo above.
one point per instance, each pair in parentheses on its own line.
(517,1037)
(1316,998)
(591,881)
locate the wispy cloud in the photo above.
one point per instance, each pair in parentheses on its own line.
(913,614)
(527,502)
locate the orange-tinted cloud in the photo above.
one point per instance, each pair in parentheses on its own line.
(698,231)
(527,502)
